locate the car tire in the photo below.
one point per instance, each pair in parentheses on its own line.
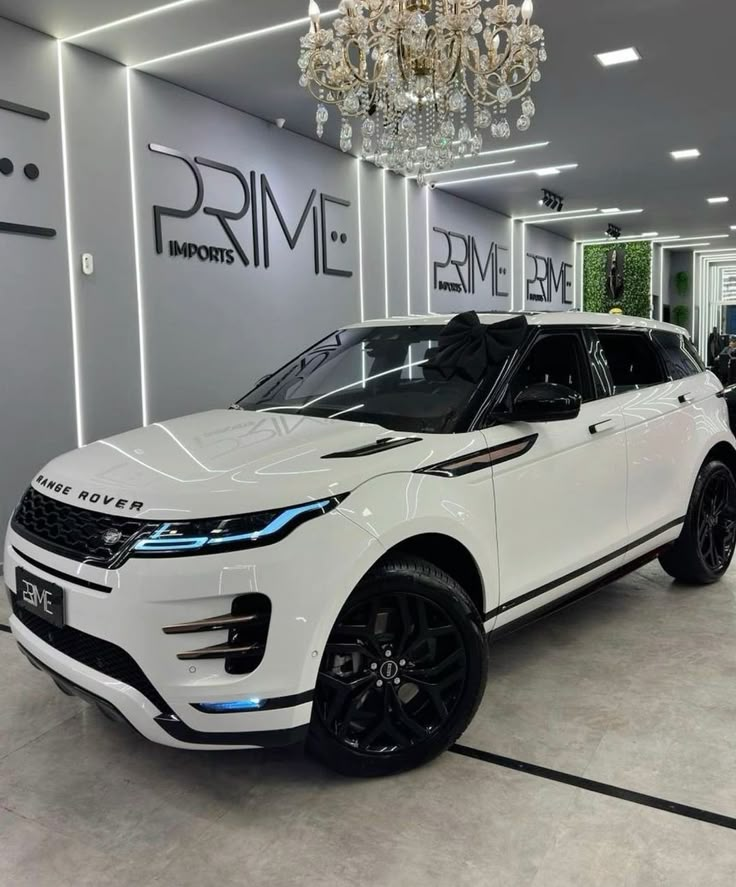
(705,548)
(402,674)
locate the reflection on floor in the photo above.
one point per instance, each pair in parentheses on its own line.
(633,687)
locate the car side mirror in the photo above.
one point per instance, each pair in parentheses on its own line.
(546,402)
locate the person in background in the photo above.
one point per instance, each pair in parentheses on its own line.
(726,363)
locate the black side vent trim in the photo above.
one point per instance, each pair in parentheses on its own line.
(481,459)
(382,445)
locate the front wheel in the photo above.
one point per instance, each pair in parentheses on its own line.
(706,545)
(402,674)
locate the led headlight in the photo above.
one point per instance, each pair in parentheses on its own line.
(211,535)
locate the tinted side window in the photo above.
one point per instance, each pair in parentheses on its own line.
(680,356)
(632,360)
(555,357)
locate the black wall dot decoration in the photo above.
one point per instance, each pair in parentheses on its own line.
(30,171)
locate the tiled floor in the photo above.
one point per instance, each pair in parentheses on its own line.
(635,687)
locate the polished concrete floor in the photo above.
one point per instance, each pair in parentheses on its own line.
(634,687)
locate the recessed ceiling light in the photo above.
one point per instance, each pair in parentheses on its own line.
(733,227)
(611,209)
(650,234)
(548,171)
(685,154)
(718,200)
(618,57)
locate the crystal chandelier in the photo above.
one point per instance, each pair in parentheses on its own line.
(423,78)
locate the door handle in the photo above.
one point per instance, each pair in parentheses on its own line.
(605,425)
(685,398)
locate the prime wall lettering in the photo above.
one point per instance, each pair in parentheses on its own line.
(549,280)
(267,220)
(471,266)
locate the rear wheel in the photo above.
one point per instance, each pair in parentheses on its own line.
(706,545)
(402,674)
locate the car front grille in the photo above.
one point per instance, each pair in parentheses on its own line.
(93,652)
(72,532)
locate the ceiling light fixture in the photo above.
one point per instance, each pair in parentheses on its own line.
(471,168)
(531,147)
(713,200)
(685,245)
(686,154)
(596,215)
(423,74)
(147,13)
(650,234)
(548,171)
(611,210)
(618,57)
(502,175)
(567,212)
(237,38)
(552,200)
(613,231)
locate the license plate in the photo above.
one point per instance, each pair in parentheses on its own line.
(42,598)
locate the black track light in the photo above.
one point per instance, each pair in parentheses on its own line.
(552,201)
(613,231)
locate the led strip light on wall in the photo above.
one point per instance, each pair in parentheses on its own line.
(78,403)
(145,407)
(360,240)
(385,245)
(408,250)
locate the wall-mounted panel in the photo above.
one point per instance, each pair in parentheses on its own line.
(102,225)
(469,256)
(549,282)
(37,401)
(249,245)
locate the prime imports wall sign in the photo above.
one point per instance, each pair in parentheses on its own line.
(31,172)
(549,280)
(469,267)
(322,213)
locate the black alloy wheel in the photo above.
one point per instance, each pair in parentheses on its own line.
(716,521)
(706,546)
(402,673)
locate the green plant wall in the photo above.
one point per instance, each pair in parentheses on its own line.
(636,299)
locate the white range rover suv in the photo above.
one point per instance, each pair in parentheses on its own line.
(324,560)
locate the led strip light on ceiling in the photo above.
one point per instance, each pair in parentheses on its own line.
(630,239)
(541,171)
(147,13)
(563,213)
(446,172)
(237,38)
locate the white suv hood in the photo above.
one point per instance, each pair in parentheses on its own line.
(221,463)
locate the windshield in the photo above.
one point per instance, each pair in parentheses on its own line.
(382,375)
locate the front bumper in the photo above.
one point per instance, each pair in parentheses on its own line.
(155,691)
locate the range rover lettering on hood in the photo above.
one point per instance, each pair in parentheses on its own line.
(87,497)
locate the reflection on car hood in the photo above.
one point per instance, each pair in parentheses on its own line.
(227,462)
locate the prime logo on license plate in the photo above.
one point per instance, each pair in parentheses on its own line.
(40,597)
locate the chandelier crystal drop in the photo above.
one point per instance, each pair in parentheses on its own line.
(423,79)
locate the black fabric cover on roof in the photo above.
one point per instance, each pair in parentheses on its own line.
(470,349)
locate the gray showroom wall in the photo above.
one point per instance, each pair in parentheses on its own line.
(37,401)
(249,243)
